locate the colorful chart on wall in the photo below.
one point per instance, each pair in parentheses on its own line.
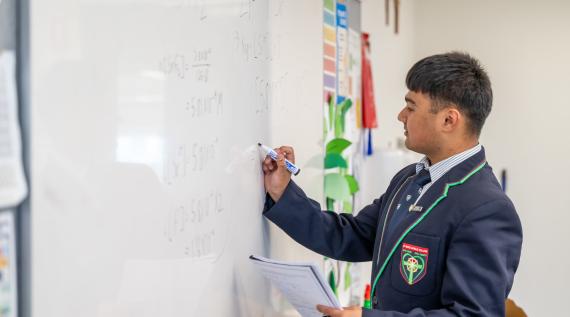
(8,273)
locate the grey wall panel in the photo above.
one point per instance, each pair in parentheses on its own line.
(14,37)
(23,218)
(7,25)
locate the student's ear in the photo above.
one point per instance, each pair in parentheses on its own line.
(451,118)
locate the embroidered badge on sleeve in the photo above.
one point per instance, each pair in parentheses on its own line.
(413,263)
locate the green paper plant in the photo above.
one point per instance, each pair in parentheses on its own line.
(339,185)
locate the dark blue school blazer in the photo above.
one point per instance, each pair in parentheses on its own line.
(455,257)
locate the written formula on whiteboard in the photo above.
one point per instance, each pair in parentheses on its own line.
(196,226)
(255,48)
(191,158)
(209,105)
(181,66)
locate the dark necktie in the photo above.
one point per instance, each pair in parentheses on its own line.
(408,198)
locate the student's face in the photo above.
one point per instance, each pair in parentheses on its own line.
(419,123)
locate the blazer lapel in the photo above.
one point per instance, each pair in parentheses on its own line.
(436,190)
(385,216)
(392,238)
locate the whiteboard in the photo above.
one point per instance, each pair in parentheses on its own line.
(146,187)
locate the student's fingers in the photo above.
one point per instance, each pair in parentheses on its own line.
(280,157)
(267,168)
(323,309)
(275,164)
(328,311)
(269,164)
(278,150)
(289,153)
(281,162)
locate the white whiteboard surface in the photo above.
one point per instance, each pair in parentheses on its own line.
(13,187)
(147,191)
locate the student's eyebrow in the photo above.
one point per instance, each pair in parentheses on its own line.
(408,100)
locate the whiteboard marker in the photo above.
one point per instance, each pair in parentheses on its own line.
(272,154)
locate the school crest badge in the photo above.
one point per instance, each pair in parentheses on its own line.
(413,263)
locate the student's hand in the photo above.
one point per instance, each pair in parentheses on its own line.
(352,311)
(277,176)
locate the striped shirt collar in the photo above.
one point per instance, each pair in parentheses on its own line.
(439,169)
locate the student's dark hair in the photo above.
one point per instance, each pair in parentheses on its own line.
(456,78)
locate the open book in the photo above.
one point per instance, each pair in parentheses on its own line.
(301,283)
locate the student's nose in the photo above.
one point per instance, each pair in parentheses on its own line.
(401,116)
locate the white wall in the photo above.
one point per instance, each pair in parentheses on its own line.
(392,55)
(525,46)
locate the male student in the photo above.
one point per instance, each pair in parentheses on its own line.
(444,239)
